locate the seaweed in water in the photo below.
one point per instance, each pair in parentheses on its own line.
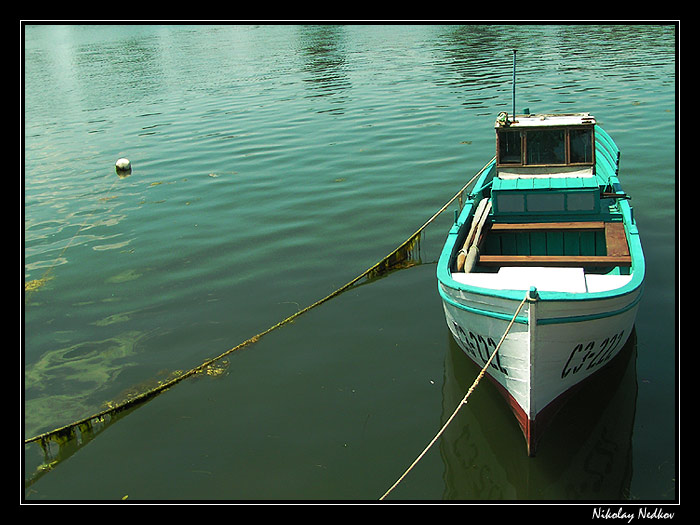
(405,256)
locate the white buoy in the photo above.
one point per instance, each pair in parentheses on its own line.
(123,165)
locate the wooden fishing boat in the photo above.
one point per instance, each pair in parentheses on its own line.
(547,220)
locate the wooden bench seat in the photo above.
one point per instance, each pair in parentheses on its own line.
(615,241)
(555,260)
(549,226)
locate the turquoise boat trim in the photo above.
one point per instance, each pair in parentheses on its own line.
(607,140)
(592,317)
(482,188)
(481,183)
(445,278)
(603,159)
(479,311)
(545,321)
(607,155)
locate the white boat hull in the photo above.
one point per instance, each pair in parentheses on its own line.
(551,348)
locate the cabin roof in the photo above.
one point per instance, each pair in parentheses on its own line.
(545,120)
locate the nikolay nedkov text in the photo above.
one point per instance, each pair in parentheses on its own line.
(643,513)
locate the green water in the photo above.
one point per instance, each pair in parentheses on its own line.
(271,165)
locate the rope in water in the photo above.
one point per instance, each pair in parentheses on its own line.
(382,265)
(461,403)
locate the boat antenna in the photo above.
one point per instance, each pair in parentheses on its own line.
(514,51)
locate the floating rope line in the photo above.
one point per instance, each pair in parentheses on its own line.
(397,256)
(461,403)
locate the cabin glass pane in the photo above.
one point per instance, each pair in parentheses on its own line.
(546,146)
(581,146)
(509,147)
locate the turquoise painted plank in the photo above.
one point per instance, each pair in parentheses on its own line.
(572,243)
(555,243)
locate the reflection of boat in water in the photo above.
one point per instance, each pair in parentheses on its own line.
(548,218)
(588,452)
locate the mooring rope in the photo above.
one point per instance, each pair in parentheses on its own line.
(461,403)
(379,267)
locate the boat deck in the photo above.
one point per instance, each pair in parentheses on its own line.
(556,244)
(570,280)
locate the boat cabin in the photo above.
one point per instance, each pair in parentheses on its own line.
(547,207)
(545,165)
(546,145)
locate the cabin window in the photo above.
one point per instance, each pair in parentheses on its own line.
(546,146)
(580,146)
(509,147)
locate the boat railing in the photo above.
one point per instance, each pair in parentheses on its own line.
(607,156)
(606,139)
